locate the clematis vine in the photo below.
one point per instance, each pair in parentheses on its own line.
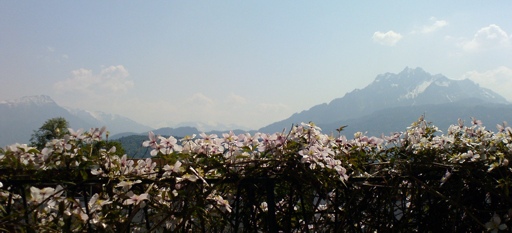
(200,181)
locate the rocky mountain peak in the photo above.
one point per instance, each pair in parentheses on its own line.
(416,86)
(412,71)
(408,77)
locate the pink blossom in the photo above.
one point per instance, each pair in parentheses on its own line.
(135,199)
(169,145)
(152,141)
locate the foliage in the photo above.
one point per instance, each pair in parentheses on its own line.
(299,181)
(51,129)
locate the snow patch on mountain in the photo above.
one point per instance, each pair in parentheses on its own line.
(97,115)
(488,94)
(102,116)
(442,83)
(417,90)
(449,98)
(35,99)
(382,77)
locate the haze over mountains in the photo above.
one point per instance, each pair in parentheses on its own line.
(390,103)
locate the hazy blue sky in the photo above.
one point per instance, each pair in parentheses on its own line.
(248,63)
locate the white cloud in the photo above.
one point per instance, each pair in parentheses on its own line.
(236,99)
(498,80)
(53,56)
(389,38)
(436,25)
(200,100)
(113,79)
(490,37)
(105,91)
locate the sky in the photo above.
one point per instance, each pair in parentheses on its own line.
(240,63)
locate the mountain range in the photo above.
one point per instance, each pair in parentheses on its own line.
(20,117)
(393,101)
(389,104)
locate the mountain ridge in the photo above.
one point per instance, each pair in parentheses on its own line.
(410,87)
(115,123)
(20,117)
(34,99)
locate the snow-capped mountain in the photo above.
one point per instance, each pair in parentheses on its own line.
(416,87)
(20,117)
(115,123)
(409,88)
(39,100)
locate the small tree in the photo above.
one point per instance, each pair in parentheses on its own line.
(53,128)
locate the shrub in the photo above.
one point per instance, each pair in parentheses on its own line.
(299,181)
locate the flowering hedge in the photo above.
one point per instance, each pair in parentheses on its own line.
(296,181)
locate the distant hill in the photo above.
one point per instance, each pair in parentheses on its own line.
(176,132)
(392,101)
(180,132)
(132,146)
(132,143)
